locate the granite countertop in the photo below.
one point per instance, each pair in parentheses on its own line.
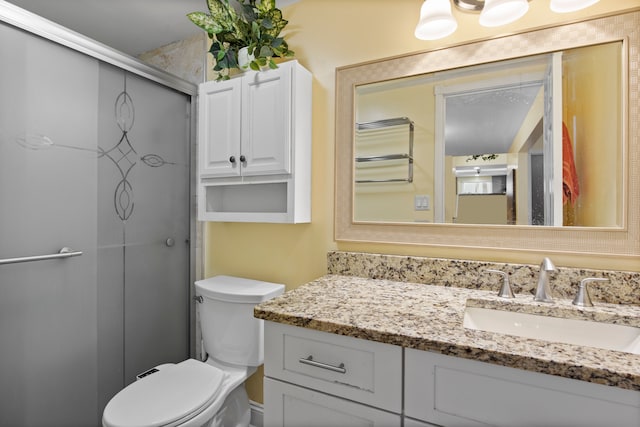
(428,317)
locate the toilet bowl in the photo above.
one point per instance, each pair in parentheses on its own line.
(186,394)
(203,394)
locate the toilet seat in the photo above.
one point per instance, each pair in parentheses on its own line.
(169,397)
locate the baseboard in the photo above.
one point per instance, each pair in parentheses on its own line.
(257,414)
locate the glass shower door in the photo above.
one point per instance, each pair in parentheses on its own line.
(143,228)
(96,159)
(48,200)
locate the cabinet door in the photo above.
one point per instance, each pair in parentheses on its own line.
(219,128)
(266,121)
(289,405)
(451,391)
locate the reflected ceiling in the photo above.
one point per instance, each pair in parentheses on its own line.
(490,119)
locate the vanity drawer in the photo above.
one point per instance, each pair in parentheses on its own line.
(289,405)
(360,370)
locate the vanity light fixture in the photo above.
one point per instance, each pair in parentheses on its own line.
(565,6)
(501,12)
(467,171)
(437,21)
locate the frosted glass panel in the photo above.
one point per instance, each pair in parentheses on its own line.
(96,159)
(48,199)
(143,227)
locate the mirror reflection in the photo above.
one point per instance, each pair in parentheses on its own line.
(530,141)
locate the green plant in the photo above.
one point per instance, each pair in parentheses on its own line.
(254,25)
(484,157)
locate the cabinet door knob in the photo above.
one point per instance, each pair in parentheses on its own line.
(243,159)
(232,159)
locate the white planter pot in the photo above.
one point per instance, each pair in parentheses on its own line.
(244,59)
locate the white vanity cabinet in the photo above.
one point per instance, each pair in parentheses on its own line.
(451,391)
(254,146)
(316,378)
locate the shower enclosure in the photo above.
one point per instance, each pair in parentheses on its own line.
(95,222)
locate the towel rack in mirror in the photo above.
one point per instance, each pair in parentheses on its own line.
(385,123)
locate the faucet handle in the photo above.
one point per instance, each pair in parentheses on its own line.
(583,299)
(505,289)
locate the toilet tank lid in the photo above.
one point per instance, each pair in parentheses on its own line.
(238,289)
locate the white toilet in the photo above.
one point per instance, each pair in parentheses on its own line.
(203,394)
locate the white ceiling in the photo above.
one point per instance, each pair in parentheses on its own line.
(137,26)
(490,119)
(130,26)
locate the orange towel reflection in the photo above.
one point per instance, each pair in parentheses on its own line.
(570,186)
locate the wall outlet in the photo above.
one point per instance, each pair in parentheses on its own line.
(422,202)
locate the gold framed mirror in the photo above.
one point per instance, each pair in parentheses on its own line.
(618,235)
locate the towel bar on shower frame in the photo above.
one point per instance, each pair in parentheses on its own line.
(63,253)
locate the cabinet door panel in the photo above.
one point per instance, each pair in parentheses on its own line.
(452,391)
(266,118)
(289,405)
(219,128)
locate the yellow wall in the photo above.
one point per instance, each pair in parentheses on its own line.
(395,201)
(591,113)
(326,34)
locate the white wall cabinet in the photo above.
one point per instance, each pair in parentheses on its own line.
(320,379)
(254,147)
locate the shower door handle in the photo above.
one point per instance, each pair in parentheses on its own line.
(63,253)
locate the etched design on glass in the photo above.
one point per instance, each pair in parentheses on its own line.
(33,141)
(124,156)
(154,161)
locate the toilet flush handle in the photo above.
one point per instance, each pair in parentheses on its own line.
(198,299)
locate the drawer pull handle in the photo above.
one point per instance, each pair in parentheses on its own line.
(309,361)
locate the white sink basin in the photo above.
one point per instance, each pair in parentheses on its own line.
(569,331)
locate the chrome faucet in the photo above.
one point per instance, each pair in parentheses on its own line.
(543,291)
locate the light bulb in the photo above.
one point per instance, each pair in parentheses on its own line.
(436,20)
(563,6)
(502,12)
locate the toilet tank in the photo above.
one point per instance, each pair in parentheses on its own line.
(230,333)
